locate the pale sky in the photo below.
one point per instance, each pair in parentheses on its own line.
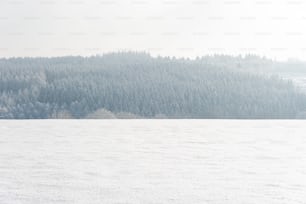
(274,28)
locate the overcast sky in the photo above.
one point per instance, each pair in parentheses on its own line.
(274,28)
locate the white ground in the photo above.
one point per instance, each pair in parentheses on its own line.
(152,161)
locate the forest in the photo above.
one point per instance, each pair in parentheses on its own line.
(137,85)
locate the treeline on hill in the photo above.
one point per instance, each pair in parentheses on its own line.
(135,85)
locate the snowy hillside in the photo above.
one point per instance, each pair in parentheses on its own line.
(137,85)
(152,161)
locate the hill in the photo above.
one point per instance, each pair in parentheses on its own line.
(136,85)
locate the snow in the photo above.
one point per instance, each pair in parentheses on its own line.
(152,161)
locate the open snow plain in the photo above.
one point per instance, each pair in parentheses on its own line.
(152,161)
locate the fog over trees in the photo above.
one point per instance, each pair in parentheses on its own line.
(136,85)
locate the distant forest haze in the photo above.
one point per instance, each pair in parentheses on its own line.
(136,85)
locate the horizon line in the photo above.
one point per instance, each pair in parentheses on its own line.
(153,55)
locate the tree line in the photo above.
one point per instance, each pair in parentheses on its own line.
(136,85)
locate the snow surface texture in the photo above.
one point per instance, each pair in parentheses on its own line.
(152,161)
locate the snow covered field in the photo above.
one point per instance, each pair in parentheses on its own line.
(152,161)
